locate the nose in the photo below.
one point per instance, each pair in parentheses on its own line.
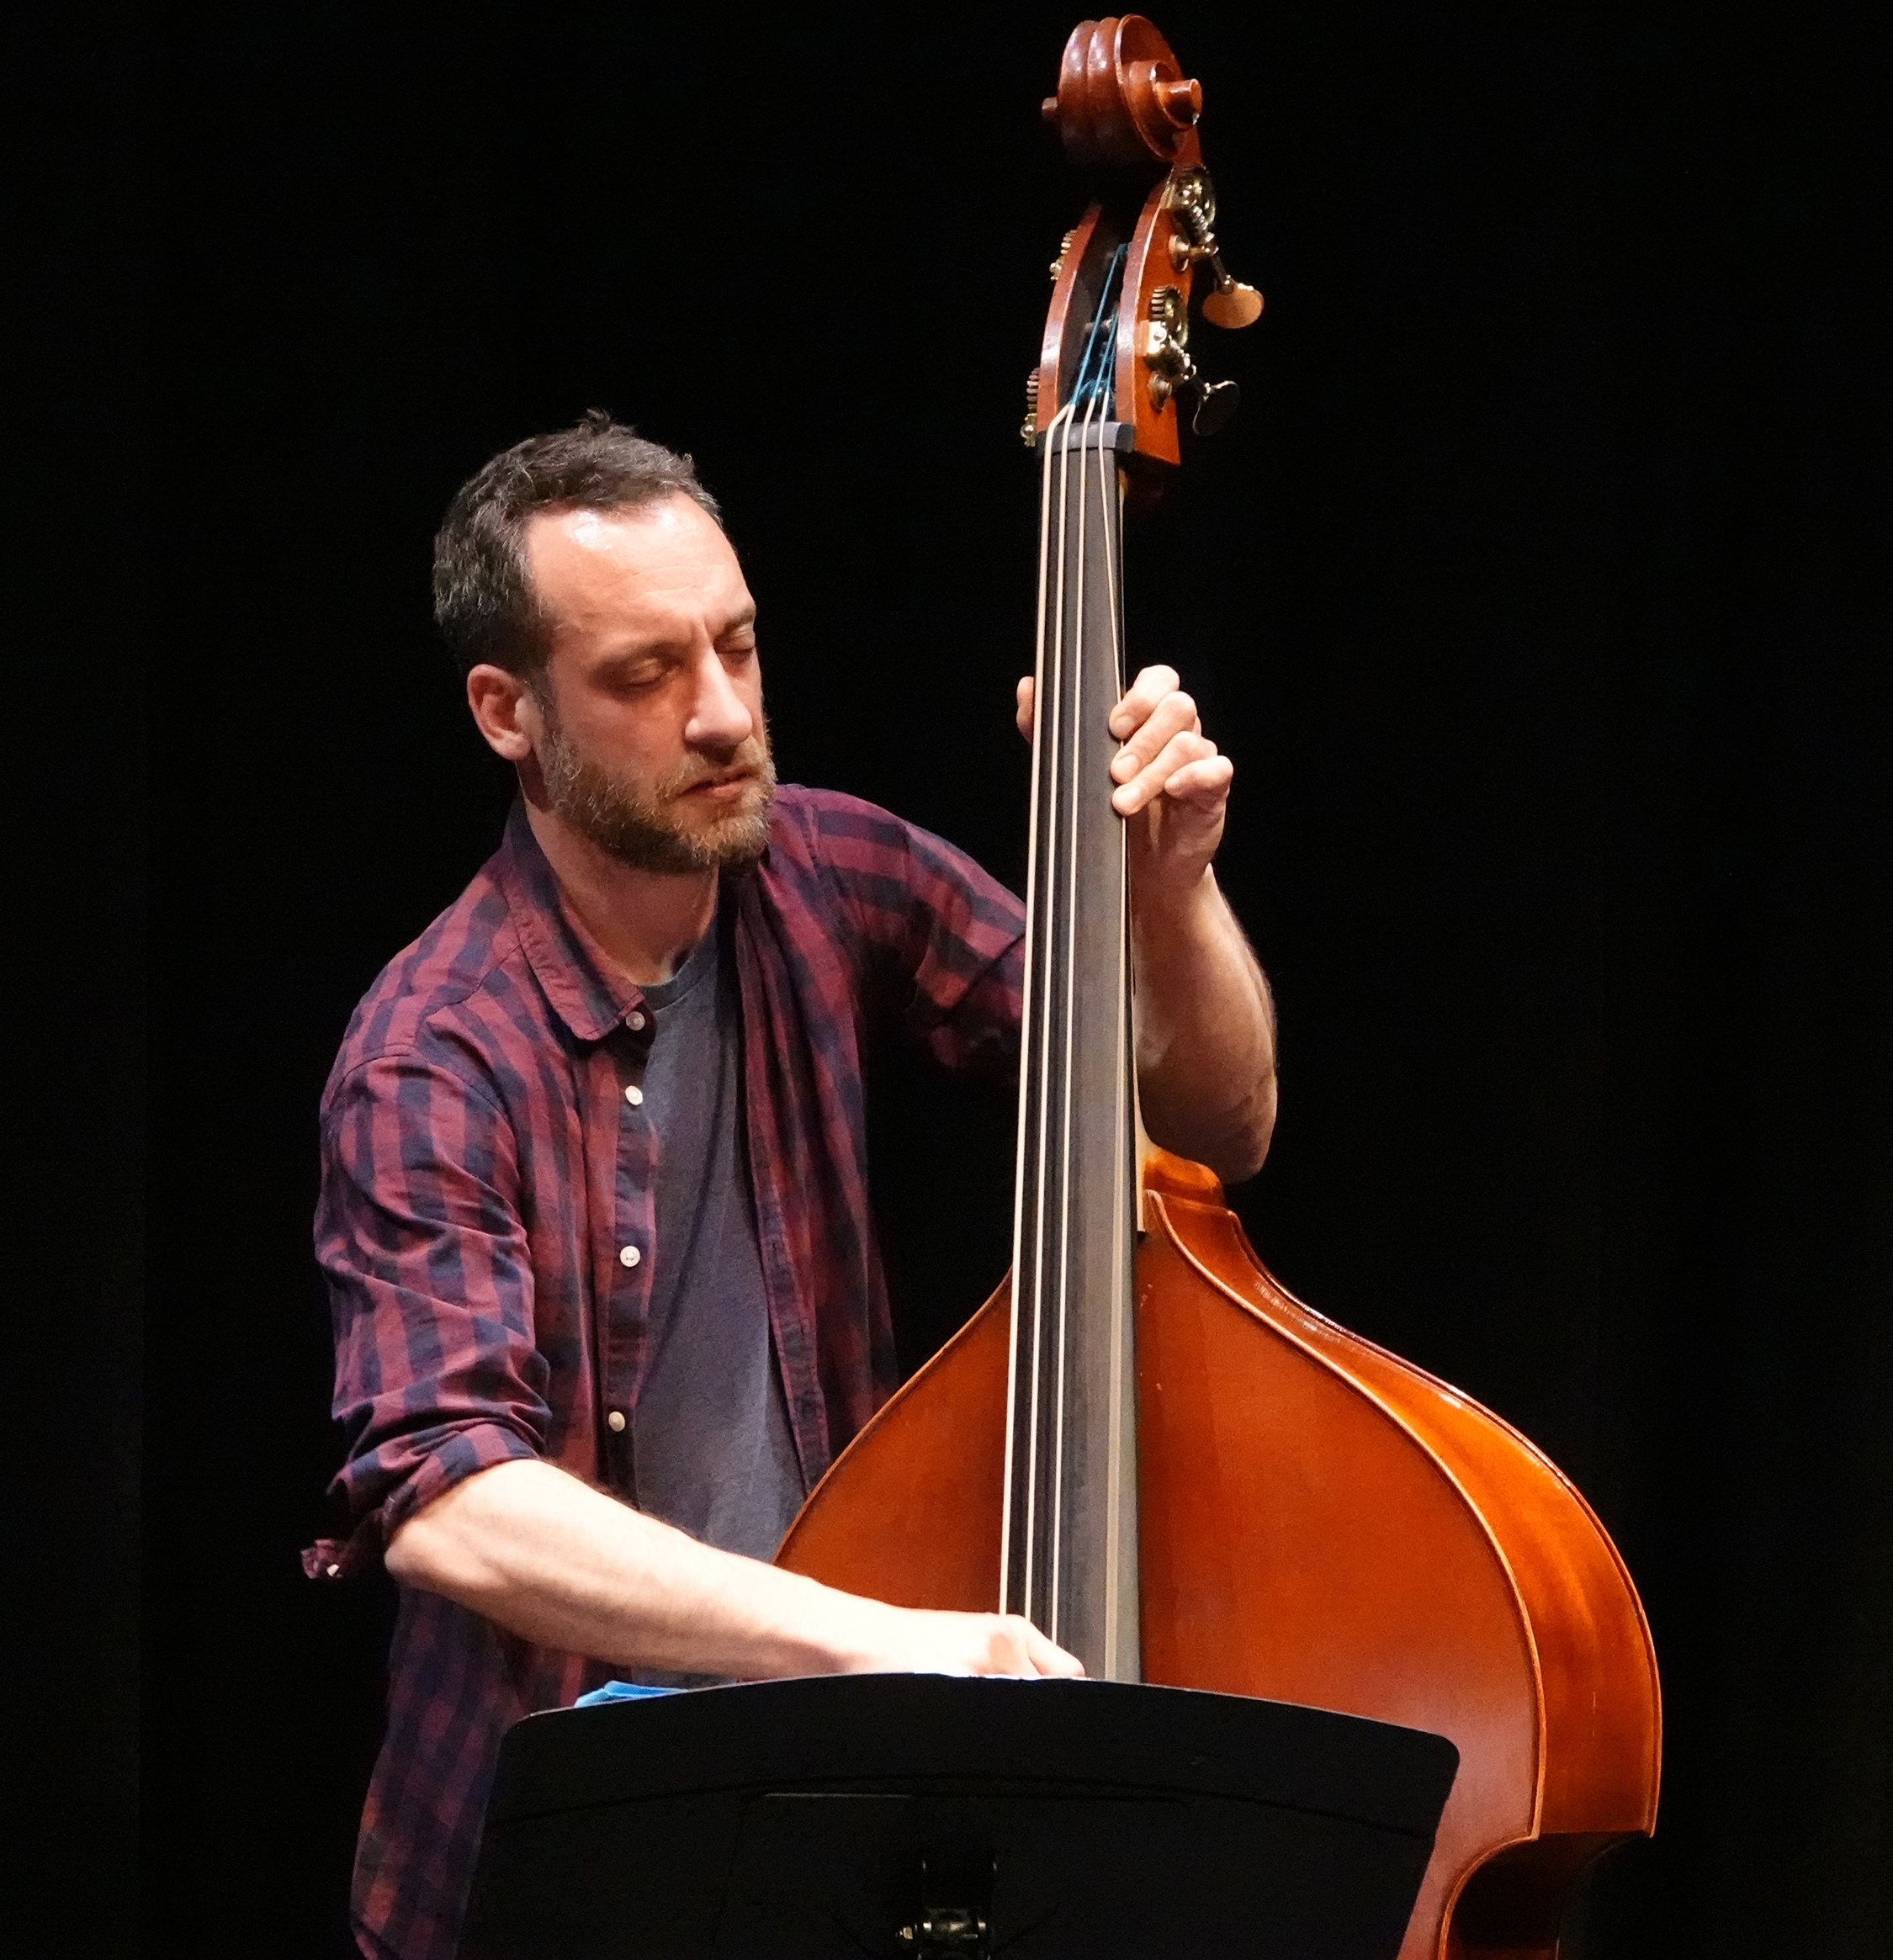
(720,717)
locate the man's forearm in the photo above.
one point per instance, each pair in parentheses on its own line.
(1206,1033)
(1205,1024)
(549,1558)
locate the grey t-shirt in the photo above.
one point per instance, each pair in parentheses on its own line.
(712,1450)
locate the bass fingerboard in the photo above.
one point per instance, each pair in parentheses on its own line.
(1069,1538)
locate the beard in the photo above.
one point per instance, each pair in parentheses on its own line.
(654,830)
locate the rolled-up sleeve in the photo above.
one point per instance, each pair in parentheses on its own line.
(419,1233)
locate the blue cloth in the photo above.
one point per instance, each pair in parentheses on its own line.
(620,1691)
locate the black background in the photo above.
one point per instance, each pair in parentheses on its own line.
(1539,592)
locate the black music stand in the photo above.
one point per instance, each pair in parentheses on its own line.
(871,1817)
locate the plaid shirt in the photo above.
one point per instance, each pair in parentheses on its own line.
(487,1225)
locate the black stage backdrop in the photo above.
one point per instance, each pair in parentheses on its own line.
(1539,592)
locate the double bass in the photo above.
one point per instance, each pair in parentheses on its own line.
(1141,1441)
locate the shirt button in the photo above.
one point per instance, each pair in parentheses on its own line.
(615,1422)
(634,1019)
(633,1095)
(628,1255)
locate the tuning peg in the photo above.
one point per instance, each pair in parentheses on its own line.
(1232,305)
(1217,402)
(1165,348)
(1191,201)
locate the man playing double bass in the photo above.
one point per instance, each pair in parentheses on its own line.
(594,1212)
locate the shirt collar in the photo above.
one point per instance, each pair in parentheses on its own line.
(586,992)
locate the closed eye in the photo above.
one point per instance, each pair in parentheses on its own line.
(636,676)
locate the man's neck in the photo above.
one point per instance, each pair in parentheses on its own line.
(646,922)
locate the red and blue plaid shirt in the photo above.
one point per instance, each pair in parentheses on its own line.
(483,1174)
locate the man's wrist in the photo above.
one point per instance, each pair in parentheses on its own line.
(819,1629)
(1181,910)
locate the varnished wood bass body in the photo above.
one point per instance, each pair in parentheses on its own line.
(1179,1473)
(1321,1522)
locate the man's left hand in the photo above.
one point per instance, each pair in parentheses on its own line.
(1168,767)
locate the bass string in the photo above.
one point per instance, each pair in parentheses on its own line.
(1043,1484)
(1028,1258)
(1121,1659)
(1048,1112)
(1071,729)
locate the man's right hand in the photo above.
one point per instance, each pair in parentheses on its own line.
(901,1639)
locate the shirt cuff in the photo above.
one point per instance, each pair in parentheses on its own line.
(457,1454)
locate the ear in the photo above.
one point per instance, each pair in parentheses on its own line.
(504,712)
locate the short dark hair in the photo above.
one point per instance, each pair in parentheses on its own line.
(484,602)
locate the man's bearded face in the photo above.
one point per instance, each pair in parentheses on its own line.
(711,811)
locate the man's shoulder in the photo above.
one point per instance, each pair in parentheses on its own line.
(847,836)
(806,820)
(882,869)
(441,978)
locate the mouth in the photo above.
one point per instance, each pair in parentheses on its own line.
(725,788)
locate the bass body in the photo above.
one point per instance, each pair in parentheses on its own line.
(1320,1523)
(1141,1442)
